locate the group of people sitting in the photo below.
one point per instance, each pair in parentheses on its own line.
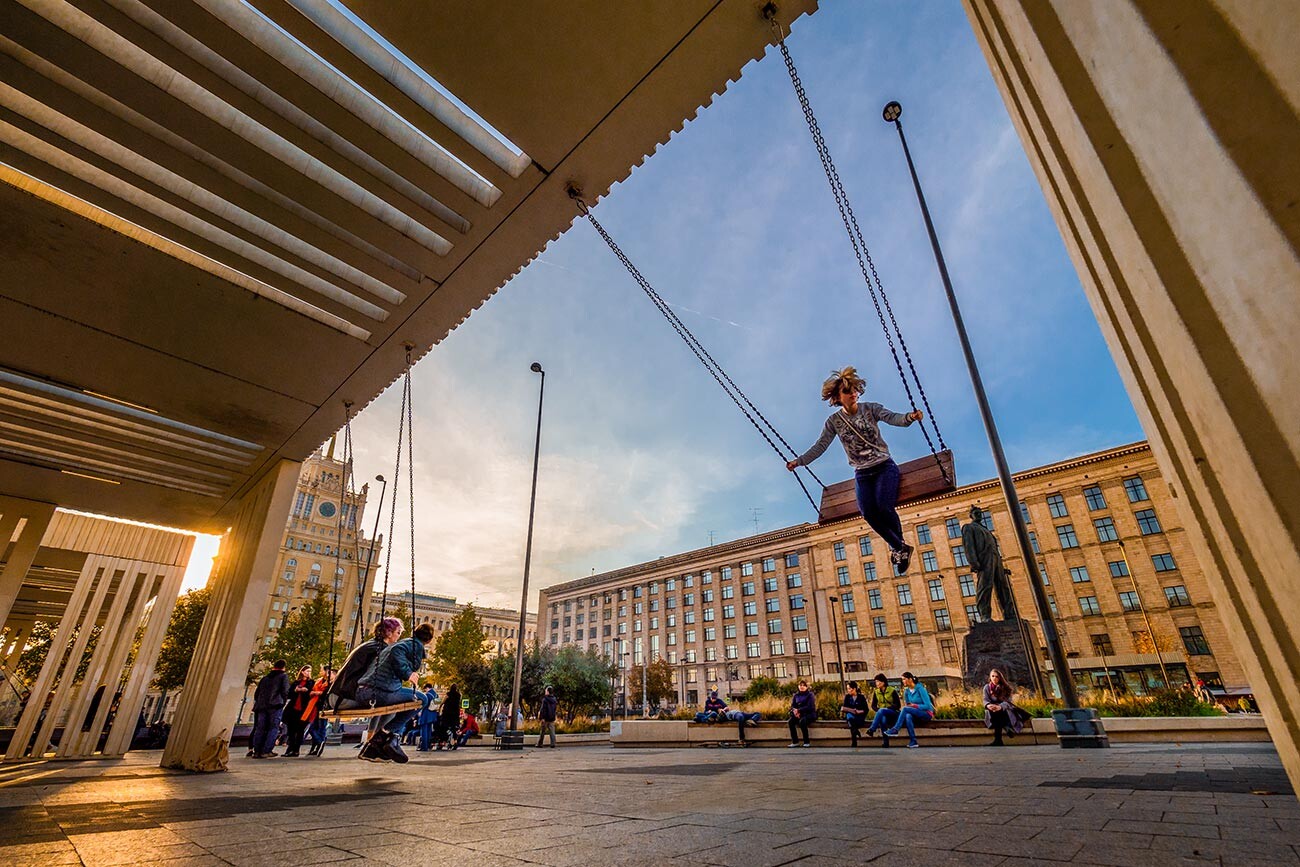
(883,712)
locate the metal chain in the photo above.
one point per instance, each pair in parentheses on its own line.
(870,276)
(392,512)
(410,473)
(715,370)
(338,538)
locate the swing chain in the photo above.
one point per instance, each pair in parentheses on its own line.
(702,354)
(871,277)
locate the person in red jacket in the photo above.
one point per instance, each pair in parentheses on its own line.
(468,729)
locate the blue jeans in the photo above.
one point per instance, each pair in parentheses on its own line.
(426,736)
(855,721)
(317,730)
(391,723)
(910,717)
(884,718)
(877,489)
(707,716)
(266,728)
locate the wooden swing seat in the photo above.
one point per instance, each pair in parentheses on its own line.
(354,713)
(918,479)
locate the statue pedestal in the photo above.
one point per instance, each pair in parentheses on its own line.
(997,644)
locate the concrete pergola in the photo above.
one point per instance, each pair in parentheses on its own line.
(221,220)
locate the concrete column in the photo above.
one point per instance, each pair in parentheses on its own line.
(35,518)
(1165,137)
(240,584)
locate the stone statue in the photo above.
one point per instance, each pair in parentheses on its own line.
(986,561)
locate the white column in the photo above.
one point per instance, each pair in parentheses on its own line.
(36,518)
(240,584)
(1165,137)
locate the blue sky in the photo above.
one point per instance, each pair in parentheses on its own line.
(732,221)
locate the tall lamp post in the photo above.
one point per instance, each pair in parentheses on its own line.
(835,625)
(528,559)
(1064,679)
(370,555)
(1155,641)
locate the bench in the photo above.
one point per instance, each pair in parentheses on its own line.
(775,733)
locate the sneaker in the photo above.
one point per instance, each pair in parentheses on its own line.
(373,751)
(250,755)
(393,750)
(807,744)
(793,745)
(913,746)
(892,733)
(904,558)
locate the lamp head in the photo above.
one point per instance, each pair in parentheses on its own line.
(536,368)
(893,111)
(833,598)
(380,478)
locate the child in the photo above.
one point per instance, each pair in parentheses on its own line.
(874,472)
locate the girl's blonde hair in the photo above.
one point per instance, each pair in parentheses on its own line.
(840,380)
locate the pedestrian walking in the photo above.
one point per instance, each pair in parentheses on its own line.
(550,709)
(268,706)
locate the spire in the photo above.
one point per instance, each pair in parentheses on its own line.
(329,454)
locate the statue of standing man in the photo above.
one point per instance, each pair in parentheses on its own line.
(986,561)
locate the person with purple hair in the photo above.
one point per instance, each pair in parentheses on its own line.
(344,688)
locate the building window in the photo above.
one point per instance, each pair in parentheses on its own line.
(731,652)
(1079,574)
(959,555)
(1194,640)
(1177,596)
(909,624)
(728,612)
(947,650)
(1024,513)
(690,637)
(838,548)
(769,564)
(1065,533)
(942,621)
(1137,492)
(746,569)
(847,603)
(986,518)
(792,560)
(793,580)
(669,586)
(769,584)
(878,627)
(688,599)
(864,546)
(751,629)
(1042,574)
(706,595)
(774,625)
(796,601)
(688,580)
(967,585)
(801,645)
(750,608)
(1094,497)
(1163,562)
(929,562)
(953,527)
(688,616)
(772,605)
(636,625)
(710,655)
(972,614)
(1033,542)
(873,599)
(842,575)
(729,631)
(936,589)
(1128,600)
(1106,531)
(1118,569)
(724,574)
(799,623)
(1051,603)
(923,534)
(904,594)
(670,603)
(851,629)
(1056,505)
(747,588)
(638,608)
(1101,644)
(1148,523)
(869,571)
(728,591)
(1088,606)
(706,577)
(708,615)
(672,620)
(777,646)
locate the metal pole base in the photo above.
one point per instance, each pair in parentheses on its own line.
(1079,728)
(511,739)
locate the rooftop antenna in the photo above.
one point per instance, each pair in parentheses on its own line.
(710,538)
(755,512)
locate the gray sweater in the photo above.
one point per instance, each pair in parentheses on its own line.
(859,434)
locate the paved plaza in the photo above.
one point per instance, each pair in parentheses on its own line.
(1141,805)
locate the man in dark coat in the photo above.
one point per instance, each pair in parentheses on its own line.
(550,709)
(268,705)
(986,561)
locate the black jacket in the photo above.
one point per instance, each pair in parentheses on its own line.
(272,691)
(357,664)
(550,704)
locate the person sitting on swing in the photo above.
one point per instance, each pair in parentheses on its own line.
(874,472)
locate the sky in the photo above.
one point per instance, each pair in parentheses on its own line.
(642,454)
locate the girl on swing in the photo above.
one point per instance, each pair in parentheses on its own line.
(874,472)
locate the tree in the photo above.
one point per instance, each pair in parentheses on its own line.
(580,680)
(306,637)
(32,659)
(659,682)
(537,663)
(178,644)
(459,654)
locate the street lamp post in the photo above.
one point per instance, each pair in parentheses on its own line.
(1065,681)
(645,697)
(528,558)
(626,662)
(835,625)
(1155,641)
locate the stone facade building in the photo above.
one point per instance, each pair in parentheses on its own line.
(499,624)
(323,537)
(1127,591)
